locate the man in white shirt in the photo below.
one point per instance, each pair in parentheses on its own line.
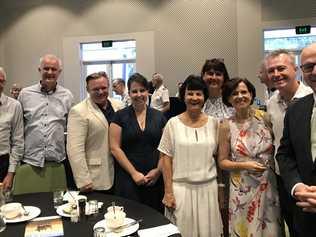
(11,135)
(160,97)
(281,69)
(297,152)
(119,88)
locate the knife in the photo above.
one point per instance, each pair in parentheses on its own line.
(120,228)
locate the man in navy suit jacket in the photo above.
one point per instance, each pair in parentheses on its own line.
(295,156)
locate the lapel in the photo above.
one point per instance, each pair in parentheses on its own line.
(303,125)
(97,113)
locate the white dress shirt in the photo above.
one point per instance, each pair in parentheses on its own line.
(11,130)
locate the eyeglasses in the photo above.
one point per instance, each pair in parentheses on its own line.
(308,67)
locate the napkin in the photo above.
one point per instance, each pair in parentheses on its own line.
(159,231)
(68,197)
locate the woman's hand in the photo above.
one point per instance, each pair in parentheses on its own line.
(254,166)
(169,200)
(152,176)
(139,178)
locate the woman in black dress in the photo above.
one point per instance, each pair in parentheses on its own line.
(134,137)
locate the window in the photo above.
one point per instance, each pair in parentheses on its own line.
(118,60)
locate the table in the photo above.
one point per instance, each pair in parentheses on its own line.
(44,201)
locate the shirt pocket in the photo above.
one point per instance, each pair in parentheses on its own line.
(94,161)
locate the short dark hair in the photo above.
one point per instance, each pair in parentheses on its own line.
(193,82)
(96,75)
(215,64)
(139,78)
(232,84)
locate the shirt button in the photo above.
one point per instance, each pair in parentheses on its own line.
(45,125)
(47,104)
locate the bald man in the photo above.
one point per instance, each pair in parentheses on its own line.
(297,151)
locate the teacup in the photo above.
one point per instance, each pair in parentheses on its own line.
(114,219)
(11,210)
(115,208)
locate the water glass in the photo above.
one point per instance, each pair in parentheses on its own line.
(2,222)
(93,207)
(8,195)
(58,198)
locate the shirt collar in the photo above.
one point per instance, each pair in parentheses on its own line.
(48,92)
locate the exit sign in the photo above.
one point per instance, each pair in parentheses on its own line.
(107,44)
(303,29)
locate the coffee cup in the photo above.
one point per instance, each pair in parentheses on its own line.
(114,219)
(11,210)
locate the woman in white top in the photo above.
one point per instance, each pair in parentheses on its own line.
(187,146)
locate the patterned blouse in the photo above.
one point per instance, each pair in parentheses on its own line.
(215,107)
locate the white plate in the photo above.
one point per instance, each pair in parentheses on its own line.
(126,231)
(60,210)
(33,212)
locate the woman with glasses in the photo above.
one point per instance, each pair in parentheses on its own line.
(187,148)
(134,137)
(246,150)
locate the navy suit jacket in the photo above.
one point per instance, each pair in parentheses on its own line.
(295,159)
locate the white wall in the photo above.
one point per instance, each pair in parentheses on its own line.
(186,32)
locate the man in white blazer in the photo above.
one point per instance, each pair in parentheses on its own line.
(87,138)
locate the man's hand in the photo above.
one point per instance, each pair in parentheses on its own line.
(87,188)
(7,181)
(152,176)
(307,197)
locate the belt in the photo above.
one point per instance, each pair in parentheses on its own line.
(5,156)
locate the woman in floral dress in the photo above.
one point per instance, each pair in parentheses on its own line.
(246,150)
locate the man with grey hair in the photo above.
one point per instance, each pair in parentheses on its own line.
(281,69)
(118,86)
(11,135)
(15,90)
(160,97)
(45,107)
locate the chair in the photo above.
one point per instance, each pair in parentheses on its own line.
(30,179)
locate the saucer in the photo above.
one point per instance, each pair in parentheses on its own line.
(126,231)
(33,212)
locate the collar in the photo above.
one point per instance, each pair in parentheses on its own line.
(2,98)
(47,92)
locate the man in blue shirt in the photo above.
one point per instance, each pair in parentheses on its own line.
(45,108)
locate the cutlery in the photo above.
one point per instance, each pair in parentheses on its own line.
(26,213)
(120,228)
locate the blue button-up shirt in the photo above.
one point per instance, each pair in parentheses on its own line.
(45,118)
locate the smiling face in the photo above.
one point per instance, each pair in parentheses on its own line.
(99,90)
(214,80)
(241,97)
(50,70)
(282,72)
(308,61)
(194,100)
(138,94)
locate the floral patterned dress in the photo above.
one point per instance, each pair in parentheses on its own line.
(253,205)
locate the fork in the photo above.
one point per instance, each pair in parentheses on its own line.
(26,213)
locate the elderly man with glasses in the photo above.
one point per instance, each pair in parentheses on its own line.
(87,138)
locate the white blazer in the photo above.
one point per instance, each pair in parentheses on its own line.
(88,145)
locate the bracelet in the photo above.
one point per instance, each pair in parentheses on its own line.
(221,185)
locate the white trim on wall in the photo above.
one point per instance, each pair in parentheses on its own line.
(145,56)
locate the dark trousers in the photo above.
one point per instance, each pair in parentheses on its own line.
(287,204)
(4,166)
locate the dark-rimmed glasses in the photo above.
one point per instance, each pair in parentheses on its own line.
(307,67)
